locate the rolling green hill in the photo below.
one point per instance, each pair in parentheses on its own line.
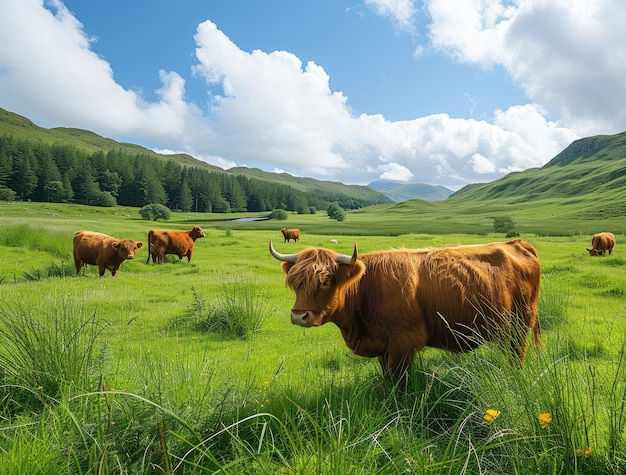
(587,179)
(585,183)
(24,129)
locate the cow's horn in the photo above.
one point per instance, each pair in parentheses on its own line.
(282,257)
(346,259)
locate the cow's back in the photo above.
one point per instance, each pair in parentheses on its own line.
(164,242)
(88,245)
(449,298)
(469,293)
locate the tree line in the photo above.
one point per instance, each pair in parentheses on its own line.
(63,173)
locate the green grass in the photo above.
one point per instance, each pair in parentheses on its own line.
(130,374)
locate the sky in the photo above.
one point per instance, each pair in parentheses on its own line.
(441,92)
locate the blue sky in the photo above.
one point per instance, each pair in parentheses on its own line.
(445,92)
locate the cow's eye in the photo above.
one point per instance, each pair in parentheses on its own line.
(326,282)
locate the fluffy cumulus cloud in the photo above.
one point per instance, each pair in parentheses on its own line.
(564,54)
(268,109)
(401,12)
(396,172)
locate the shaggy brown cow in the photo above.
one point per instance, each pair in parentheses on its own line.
(162,242)
(291,234)
(600,243)
(103,251)
(390,304)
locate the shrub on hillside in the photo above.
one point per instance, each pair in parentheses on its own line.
(336,212)
(279,214)
(154,212)
(503,224)
(104,199)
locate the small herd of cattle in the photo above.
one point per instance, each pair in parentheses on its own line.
(387,304)
(106,252)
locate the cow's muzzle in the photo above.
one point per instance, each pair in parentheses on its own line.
(301,318)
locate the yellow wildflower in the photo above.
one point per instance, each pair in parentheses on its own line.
(544,419)
(166,373)
(39,388)
(491,415)
(586,452)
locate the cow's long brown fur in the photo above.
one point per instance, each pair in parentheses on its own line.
(291,234)
(391,304)
(180,243)
(600,243)
(102,250)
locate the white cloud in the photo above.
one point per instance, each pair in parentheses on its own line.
(481,164)
(565,54)
(396,172)
(274,112)
(401,12)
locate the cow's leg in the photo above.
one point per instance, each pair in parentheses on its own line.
(399,362)
(382,359)
(79,265)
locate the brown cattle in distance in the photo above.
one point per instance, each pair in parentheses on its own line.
(291,234)
(180,243)
(390,304)
(104,251)
(600,243)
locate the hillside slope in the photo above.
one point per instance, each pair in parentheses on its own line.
(590,172)
(23,129)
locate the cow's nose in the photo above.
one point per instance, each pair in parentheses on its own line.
(299,318)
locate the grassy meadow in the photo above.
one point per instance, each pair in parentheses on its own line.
(195,367)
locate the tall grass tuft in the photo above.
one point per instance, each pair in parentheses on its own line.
(57,243)
(553,305)
(48,348)
(238,312)
(64,269)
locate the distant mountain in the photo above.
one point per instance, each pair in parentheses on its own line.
(398,191)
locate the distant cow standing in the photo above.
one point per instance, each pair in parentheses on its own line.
(180,243)
(291,234)
(390,304)
(600,243)
(104,251)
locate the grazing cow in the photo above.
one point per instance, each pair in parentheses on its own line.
(103,251)
(390,304)
(162,242)
(600,243)
(291,234)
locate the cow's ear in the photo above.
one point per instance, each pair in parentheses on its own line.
(116,244)
(286,266)
(139,245)
(348,274)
